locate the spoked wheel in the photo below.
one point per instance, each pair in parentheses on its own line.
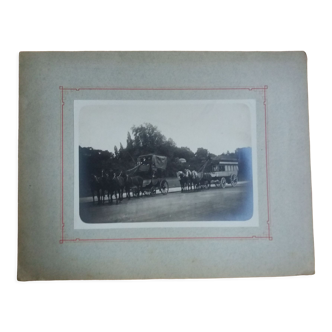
(234,180)
(223,183)
(153,191)
(164,187)
(136,192)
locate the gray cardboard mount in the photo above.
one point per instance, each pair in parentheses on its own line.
(50,248)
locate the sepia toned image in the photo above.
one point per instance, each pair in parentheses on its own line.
(165,161)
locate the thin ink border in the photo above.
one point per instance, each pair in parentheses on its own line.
(269,237)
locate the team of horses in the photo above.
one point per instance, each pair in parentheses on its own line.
(110,184)
(192,180)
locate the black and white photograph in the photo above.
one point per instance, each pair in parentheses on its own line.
(165,162)
(164,176)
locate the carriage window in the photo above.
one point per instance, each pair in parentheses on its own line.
(222,168)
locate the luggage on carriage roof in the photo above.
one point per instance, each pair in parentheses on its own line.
(147,162)
(160,162)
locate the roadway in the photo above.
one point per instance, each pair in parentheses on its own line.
(214,204)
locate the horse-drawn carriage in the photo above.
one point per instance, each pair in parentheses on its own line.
(213,171)
(223,172)
(151,168)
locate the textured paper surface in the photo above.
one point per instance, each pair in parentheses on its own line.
(49,245)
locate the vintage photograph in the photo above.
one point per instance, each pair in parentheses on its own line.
(165,161)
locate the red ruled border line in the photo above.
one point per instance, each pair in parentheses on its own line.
(269,237)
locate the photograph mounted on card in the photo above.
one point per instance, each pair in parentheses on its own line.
(122,153)
(136,165)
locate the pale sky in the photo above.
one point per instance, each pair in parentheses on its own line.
(214,125)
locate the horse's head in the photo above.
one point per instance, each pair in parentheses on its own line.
(188,172)
(123,175)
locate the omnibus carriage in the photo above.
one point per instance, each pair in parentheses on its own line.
(223,172)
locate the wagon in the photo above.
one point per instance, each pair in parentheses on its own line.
(223,172)
(151,168)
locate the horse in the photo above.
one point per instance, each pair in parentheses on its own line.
(133,181)
(104,184)
(189,177)
(180,176)
(121,184)
(95,187)
(185,179)
(111,187)
(128,185)
(196,179)
(207,178)
(201,179)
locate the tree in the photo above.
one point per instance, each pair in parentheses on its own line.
(116,151)
(147,138)
(129,141)
(202,153)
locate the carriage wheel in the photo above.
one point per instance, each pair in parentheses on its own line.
(223,182)
(164,187)
(234,180)
(136,192)
(153,191)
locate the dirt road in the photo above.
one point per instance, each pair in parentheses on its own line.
(231,203)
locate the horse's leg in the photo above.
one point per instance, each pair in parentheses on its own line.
(116,191)
(98,195)
(111,194)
